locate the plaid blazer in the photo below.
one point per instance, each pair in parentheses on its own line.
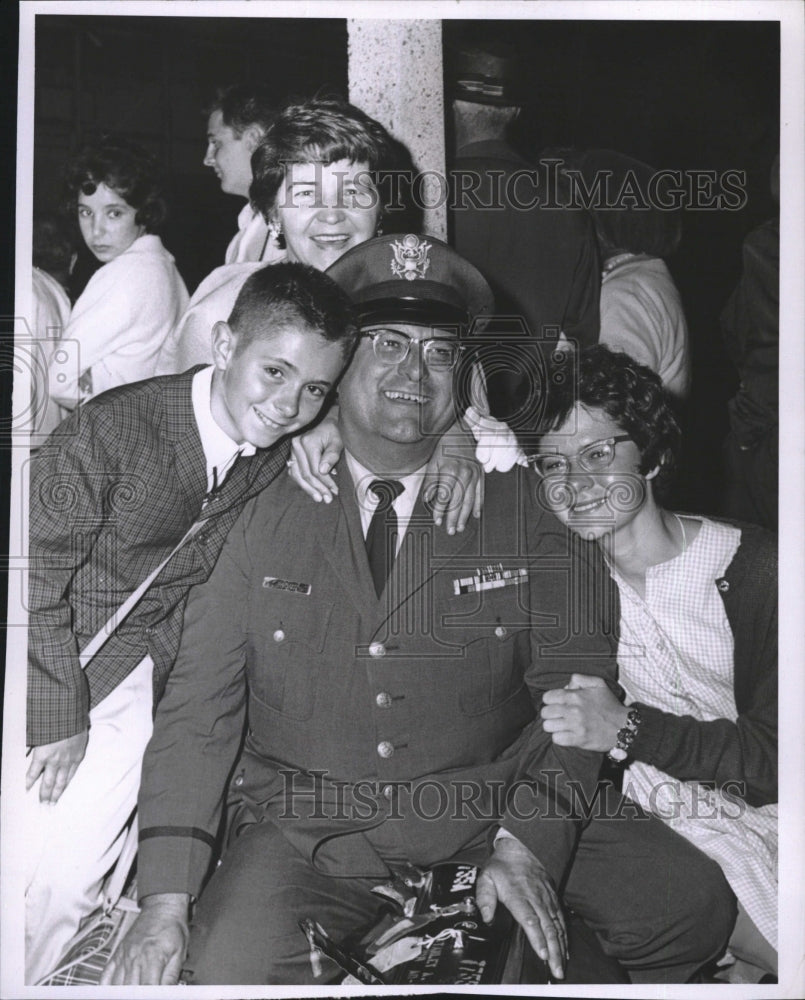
(112,493)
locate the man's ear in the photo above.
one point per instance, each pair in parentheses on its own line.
(224,342)
(252,136)
(653,472)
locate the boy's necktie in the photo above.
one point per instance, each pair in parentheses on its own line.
(219,477)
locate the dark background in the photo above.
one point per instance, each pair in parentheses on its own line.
(152,78)
(678,95)
(689,96)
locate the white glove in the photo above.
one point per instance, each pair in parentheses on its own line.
(497,449)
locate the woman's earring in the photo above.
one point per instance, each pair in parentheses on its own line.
(275,232)
(379,229)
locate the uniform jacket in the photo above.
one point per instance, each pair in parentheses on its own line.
(347,694)
(724,751)
(116,488)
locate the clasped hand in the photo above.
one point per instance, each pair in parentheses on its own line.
(585,714)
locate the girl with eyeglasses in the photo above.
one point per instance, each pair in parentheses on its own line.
(695,721)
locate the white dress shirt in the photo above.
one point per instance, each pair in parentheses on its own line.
(642,314)
(220,451)
(368,500)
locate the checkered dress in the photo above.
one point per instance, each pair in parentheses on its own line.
(676,654)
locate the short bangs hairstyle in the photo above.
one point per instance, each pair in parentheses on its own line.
(629,393)
(125,167)
(291,294)
(318,131)
(244,104)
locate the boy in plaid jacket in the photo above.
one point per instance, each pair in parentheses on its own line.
(112,494)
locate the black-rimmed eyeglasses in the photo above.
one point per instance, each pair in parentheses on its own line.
(392,347)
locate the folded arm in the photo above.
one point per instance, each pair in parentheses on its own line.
(105,316)
(739,756)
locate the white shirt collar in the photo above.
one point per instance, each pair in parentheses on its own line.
(367,500)
(220,451)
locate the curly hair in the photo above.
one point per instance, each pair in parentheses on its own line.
(125,167)
(319,131)
(245,104)
(629,393)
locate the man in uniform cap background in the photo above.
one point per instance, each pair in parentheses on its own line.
(386,669)
(541,262)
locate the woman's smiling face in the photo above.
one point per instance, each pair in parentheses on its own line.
(593,503)
(325,210)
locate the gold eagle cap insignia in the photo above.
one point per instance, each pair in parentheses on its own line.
(411,257)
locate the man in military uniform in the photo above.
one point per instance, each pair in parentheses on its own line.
(389,673)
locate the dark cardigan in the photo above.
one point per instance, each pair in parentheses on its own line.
(743,754)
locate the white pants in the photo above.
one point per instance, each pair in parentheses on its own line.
(70,846)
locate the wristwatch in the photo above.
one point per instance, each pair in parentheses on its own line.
(625,737)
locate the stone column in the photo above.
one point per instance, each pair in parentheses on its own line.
(395,75)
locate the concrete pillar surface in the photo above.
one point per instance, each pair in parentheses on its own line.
(395,75)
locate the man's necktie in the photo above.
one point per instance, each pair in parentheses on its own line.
(381,539)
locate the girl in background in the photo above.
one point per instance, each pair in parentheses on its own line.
(120,321)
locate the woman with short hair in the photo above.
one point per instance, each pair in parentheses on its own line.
(317,176)
(315,183)
(129,306)
(697,622)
